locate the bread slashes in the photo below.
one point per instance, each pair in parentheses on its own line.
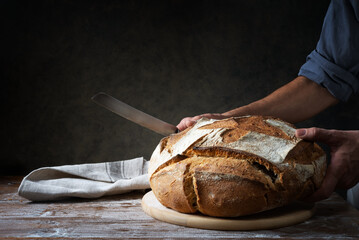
(235,167)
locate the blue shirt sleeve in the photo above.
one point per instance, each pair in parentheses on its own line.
(334,64)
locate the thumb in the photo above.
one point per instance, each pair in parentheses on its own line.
(315,134)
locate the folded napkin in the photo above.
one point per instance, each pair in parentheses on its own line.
(85,180)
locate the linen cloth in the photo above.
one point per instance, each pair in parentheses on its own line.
(85,180)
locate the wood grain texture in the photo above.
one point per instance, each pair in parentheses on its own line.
(121,217)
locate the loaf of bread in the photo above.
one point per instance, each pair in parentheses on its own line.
(235,167)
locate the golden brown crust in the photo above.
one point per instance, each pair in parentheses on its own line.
(222,200)
(237,127)
(171,187)
(225,180)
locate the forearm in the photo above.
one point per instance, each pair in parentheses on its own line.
(294,102)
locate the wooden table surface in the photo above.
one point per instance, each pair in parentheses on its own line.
(121,217)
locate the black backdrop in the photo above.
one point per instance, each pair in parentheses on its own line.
(171,59)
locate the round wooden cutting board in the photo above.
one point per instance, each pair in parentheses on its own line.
(276,218)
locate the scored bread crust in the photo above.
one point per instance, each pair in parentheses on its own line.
(235,167)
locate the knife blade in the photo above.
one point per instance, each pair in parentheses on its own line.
(133,114)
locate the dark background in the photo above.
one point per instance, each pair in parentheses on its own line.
(171,59)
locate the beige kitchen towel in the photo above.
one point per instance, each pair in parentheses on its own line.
(85,180)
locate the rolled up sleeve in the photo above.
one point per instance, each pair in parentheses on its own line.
(334,64)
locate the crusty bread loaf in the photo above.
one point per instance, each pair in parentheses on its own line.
(235,167)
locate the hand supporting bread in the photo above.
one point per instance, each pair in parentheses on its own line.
(343,171)
(235,167)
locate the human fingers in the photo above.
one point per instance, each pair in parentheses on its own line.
(327,188)
(317,134)
(187,122)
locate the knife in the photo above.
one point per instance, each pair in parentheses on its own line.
(133,114)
